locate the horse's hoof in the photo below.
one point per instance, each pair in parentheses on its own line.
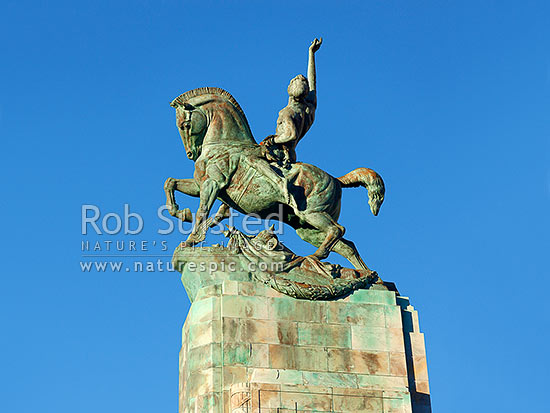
(184,215)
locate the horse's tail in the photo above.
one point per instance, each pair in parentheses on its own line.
(370,180)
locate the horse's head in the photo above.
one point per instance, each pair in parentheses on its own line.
(210,108)
(192,125)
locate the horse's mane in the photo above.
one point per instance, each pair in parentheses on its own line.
(184,97)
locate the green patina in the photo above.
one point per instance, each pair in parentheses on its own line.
(265,260)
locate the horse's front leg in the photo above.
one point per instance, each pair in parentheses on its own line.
(208,193)
(223,212)
(186,186)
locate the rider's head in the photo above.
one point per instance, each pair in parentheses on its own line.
(298,87)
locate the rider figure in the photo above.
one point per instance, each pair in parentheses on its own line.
(292,124)
(297,117)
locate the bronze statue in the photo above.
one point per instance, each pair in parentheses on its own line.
(232,167)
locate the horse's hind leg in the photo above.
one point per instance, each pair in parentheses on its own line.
(348,250)
(343,247)
(328,227)
(310,235)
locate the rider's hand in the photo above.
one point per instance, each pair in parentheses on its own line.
(315,44)
(266,153)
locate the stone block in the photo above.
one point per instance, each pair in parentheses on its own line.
(204,381)
(396,341)
(296,310)
(371,339)
(325,335)
(311,358)
(237,354)
(397,403)
(260,355)
(265,397)
(234,374)
(259,331)
(245,354)
(183,356)
(345,380)
(275,376)
(306,401)
(420,367)
(393,316)
(243,307)
(282,357)
(358,403)
(358,392)
(201,334)
(253,289)
(356,313)
(204,357)
(230,287)
(208,291)
(281,308)
(382,382)
(398,364)
(359,362)
(417,343)
(207,403)
(293,388)
(205,309)
(372,297)
(422,386)
(414,319)
(377,339)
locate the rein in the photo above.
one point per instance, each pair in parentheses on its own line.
(225,144)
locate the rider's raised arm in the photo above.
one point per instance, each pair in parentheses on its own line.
(311,74)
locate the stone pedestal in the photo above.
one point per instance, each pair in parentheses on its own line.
(248,348)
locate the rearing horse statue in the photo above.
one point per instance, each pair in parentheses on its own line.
(228,165)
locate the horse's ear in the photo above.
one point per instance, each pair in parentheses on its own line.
(271,228)
(188,106)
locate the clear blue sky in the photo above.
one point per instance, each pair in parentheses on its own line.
(448,101)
